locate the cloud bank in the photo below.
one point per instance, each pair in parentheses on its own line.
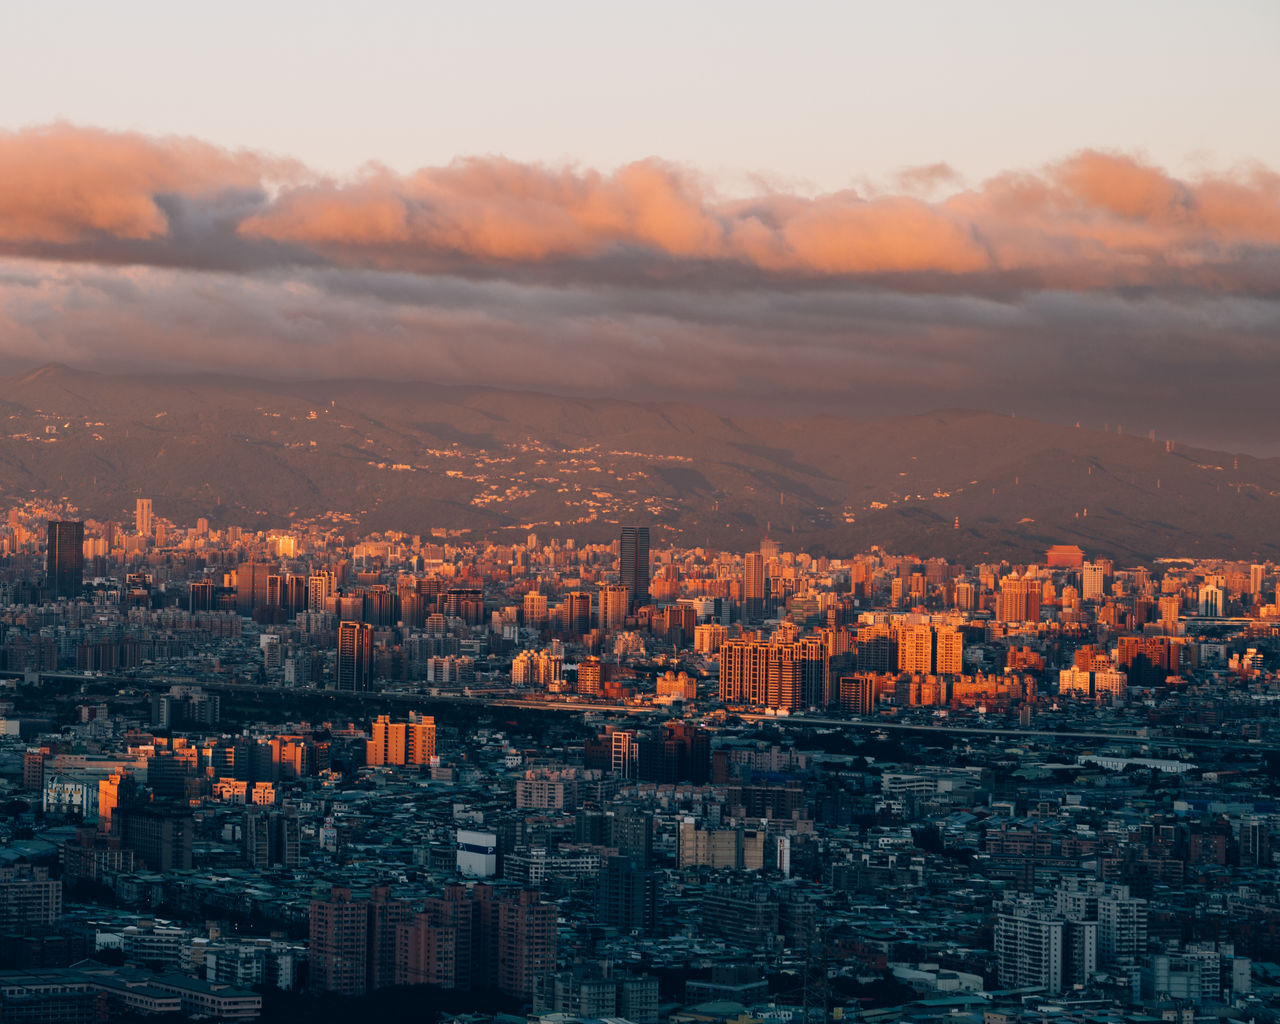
(1096,281)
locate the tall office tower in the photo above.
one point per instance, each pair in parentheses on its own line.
(535,609)
(1210,600)
(857,693)
(1092,581)
(65,558)
(755,591)
(251,586)
(355,657)
(142,517)
(634,563)
(339,944)
(379,606)
(576,613)
(1257,573)
(744,671)
(613,607)
(294,595)
(200,597)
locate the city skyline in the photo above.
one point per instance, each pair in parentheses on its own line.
(577,513)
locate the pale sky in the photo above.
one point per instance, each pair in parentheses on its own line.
(809,96)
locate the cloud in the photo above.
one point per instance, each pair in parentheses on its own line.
(1095,221)
(1097,287)
(66,185)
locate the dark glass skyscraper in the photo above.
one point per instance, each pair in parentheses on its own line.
(355,657)
(635,563)
(66,559)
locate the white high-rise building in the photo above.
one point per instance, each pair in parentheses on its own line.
(1092,581)
(1032,944)
(1211,601)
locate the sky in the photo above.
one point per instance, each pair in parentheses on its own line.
(1064,210)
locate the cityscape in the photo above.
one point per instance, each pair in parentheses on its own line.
(667,513)
(248,771)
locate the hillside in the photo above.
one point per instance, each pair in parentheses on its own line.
(413,456)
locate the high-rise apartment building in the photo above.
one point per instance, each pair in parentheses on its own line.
(339,944)
(1019,599)
(355,657)
(402,743)
(1029,945)
(787,676)
(320,586)
(614,601)
(634,563)
(65,554)
(1047,943)
(535,609)
(476,938)
(29,897)
(931,649)
(387,743)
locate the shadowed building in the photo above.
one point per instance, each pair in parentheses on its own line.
(66,559)
(355,657)
(634,563)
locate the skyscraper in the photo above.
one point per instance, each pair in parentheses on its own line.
(65,558)
(251,586)
(142,517)
(634,563)
(355,657)
(754,586)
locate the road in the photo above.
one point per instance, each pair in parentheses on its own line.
(481,699)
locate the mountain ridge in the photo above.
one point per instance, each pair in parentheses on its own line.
(416,455)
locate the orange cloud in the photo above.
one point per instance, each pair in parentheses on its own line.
(63,184)
(1092,221)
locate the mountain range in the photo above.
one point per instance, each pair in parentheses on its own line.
(482,462)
